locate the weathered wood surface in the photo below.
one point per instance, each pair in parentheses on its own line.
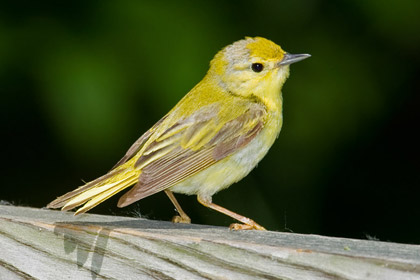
(46,244)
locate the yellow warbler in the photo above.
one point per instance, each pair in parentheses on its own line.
(211,139)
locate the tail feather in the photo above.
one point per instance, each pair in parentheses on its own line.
(108,191)
(86,196)
(96,191)
(60,201)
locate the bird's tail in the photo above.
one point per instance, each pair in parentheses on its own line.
(96,191)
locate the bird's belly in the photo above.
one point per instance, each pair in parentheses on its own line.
(234,167)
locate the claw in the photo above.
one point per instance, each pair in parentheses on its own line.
(254,225)
(179,219)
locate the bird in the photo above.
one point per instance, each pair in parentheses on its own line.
(213,137)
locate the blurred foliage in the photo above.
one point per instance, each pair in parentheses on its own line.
(81,80)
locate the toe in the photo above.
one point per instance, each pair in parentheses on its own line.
(179,219)
(246,227)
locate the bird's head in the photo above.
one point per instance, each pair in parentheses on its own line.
(252,66)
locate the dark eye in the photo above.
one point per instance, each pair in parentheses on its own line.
(257,67)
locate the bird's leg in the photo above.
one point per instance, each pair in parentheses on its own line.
(182,217)
(247,222)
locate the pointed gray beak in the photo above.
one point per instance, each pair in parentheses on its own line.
(292,58)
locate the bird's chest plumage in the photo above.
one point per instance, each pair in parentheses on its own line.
(250,155)
(236,166)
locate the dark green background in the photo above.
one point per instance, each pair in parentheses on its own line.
(81,80)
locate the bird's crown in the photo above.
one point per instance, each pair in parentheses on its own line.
(246,50)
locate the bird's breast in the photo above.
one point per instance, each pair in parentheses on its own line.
(236,166)
(249,156)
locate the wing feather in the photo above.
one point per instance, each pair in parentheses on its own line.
(133,150)
(192,149)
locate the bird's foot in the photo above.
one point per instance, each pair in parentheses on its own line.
(251,225)
(182,220)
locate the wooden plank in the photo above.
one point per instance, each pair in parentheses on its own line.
(46,244)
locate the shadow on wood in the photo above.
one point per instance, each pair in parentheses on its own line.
(47,244)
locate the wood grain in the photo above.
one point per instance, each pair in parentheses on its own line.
(47,244)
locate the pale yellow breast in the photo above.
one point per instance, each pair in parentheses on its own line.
(233,168)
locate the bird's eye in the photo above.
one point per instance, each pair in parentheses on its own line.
(257,67)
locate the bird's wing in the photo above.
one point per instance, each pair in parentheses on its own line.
(135,148)
(192,145)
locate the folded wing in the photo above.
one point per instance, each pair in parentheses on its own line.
(192,145)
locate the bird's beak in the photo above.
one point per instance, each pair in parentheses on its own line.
(292,58)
